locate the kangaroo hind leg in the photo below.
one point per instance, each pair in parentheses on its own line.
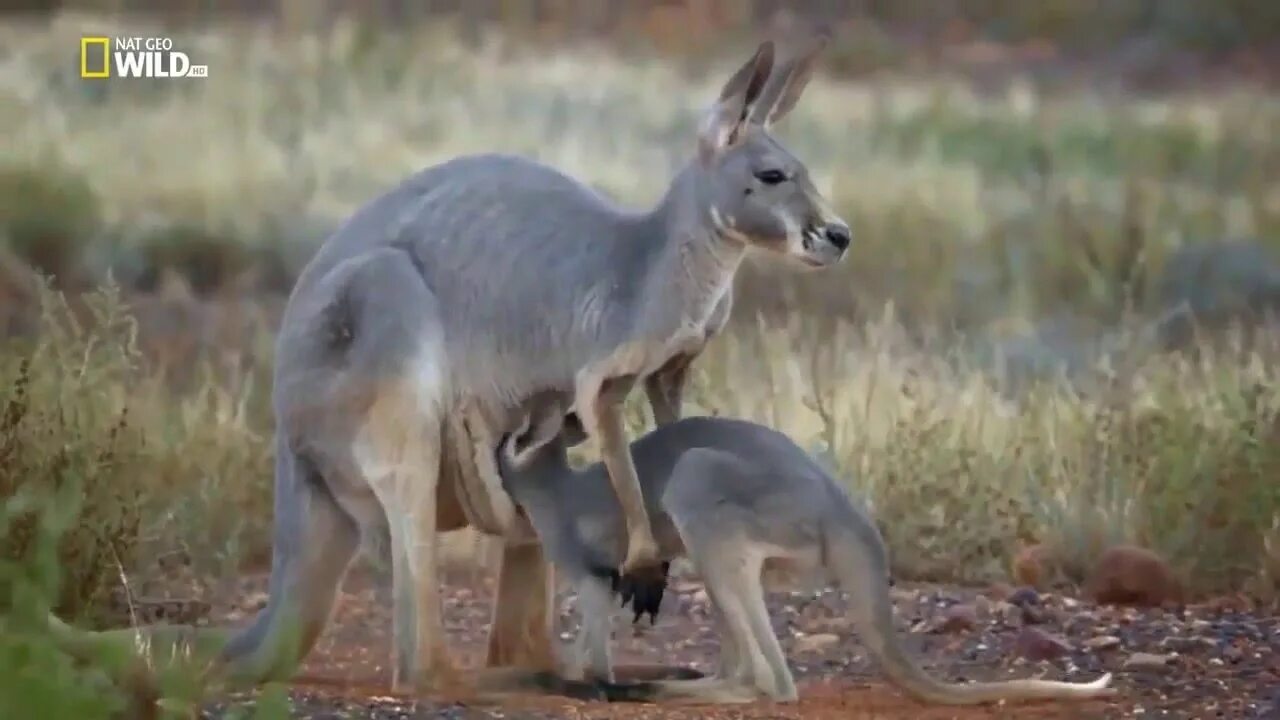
(398,454)
(732,572)
(523,619)
(594,661)
(718,541)
(396,375)
(741,660)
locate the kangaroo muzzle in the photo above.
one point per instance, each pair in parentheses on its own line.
(824,244)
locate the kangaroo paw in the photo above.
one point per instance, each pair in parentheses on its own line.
(643,587)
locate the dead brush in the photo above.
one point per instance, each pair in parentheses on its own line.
(65,431)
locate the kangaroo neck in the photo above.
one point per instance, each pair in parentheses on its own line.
(691,264)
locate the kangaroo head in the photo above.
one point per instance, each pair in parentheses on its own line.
(754,191)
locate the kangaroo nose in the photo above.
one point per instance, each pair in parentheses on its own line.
(838,235)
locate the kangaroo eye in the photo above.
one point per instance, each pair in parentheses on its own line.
(771,177)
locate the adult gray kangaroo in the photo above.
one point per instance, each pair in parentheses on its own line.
(439,308)
(734,497)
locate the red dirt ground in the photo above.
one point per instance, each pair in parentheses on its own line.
(1225,659)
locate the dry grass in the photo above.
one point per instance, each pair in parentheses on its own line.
(144,475)
(967,208)
(983,214)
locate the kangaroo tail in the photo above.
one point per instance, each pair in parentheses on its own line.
(135,657)
(859,561)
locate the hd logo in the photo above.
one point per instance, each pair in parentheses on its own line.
(135,57)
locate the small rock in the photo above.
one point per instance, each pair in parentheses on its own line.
(982,606)
(835,624)
(999,591)
(1031,566)
(1006,612)
(958,618)
(699,596)
(1147,661)
(1085,618)
(1035,644)
(903,596)
(1131,575)
(1102,642)
(1024,596)
(942,598)
(1191,644)
(1032,615)
(954,619)
(815,643)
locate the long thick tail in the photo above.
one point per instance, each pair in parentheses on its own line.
(314,543)
(269,649)
(134,657)
(859,561)
(137,658)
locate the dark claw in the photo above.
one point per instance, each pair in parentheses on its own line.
(644,589)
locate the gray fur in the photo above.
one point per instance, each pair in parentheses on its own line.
(735,497)
(474,286)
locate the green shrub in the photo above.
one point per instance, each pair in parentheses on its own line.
(208,261)
(48,215)
(37,679)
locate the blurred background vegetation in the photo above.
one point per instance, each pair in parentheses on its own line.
(1055,325)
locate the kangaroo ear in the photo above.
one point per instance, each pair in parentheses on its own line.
(540,426)
(788,82)
(727,118)
(573,433)
(511,444)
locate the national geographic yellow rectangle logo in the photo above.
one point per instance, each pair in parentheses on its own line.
(95,57)
(135,57)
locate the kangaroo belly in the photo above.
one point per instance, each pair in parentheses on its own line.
(599,536)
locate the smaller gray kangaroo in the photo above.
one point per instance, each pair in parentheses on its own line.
(734,497)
